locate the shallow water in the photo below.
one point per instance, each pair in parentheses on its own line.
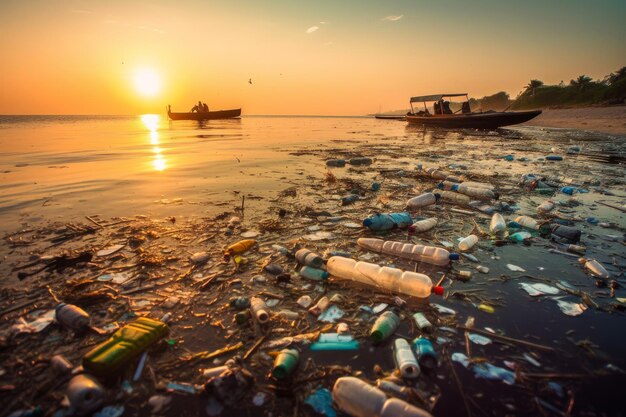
(60,169)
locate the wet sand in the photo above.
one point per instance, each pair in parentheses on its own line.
(611,120)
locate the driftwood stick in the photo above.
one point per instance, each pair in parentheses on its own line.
(508,339)
(254,347)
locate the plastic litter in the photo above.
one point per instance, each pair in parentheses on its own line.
(85,394)
(384,326)
(419,253)
(595,268)
(322,403)
(388,221)
(285,363)
(405,360)
(468,243)
(425,352)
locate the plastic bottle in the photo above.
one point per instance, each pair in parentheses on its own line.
(425,353)
(392,388)
(575,248)
(258,308)
(475,192)
(418,253)
(388,221)
(467,243)
(474,184)
(435,173)
(337,163)
(321,305)
(308,258)
(455,198)
(242,317)
(285,363)
(527,222)
(359,399)
(61,364)
(124,346)
(85,394)
(239,247)
(405,359)
(423,225)
(546,207)
(240,303)
(498,224)
(391,279)
(519,236)
(384,326)
(316,274)
(360,161)
(349,199)
(422,200)
(570,234)
(595,268)
(422,322)
(72,317)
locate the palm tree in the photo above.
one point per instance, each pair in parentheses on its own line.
(617,75)
(581,82)
(532,85)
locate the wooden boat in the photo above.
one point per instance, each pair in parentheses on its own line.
(443,117)
(390,116)
(210,115)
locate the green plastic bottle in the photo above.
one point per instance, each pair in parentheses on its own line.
(285,363)
(384,326)
(124,346)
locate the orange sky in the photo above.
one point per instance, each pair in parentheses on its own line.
(345,58)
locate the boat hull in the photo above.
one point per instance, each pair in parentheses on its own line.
(476,120)
(389,117)
(211,115)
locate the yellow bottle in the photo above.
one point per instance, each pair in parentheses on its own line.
(239,247)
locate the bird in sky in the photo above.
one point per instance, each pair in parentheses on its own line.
(250,81)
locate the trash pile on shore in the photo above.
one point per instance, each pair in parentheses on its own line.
(372,290)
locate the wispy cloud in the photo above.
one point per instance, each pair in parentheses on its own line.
(393,18)
(312,29)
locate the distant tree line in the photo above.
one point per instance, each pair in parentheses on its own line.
(582,91)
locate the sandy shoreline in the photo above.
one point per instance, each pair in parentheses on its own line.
(611,120)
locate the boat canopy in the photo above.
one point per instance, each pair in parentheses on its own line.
(435,97)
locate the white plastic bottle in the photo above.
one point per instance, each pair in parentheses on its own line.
(455,198)
(359,399)
(497,225)
(406,362)
(422,200)
(258,308)
(424,225)
(467,243)
(527,222)
(475,192)
(546,207)
(391,279)
(479,185)
(594,267)
(418,253)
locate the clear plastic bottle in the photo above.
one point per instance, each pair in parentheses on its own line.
(546,207)
(406,362)
(391,279)
(479,185)
(594,267)
(422,323)
(455,198)
(468,242)
(423,225)
(527,222)
(422,200)
(388,221)
(321,306)
(497,225)
(308,258)
(315,274)
(359,399)
(418,253)
(475,192)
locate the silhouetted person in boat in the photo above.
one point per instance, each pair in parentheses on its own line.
(205,108)
(465,108)
(437,106)
(446,107)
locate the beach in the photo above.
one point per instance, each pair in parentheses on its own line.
(131,217)
(610,120)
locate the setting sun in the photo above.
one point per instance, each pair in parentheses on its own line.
(147,82)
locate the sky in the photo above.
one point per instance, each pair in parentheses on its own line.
(340,57)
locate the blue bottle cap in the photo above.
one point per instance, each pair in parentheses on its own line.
(440,185)
(454,256)
(367,222)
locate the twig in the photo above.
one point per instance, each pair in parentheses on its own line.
(93,221)
(612,206)
(508,339)
(253,348)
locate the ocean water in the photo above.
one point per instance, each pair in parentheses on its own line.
(62,168)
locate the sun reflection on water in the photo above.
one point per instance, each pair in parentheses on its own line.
(151,122)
